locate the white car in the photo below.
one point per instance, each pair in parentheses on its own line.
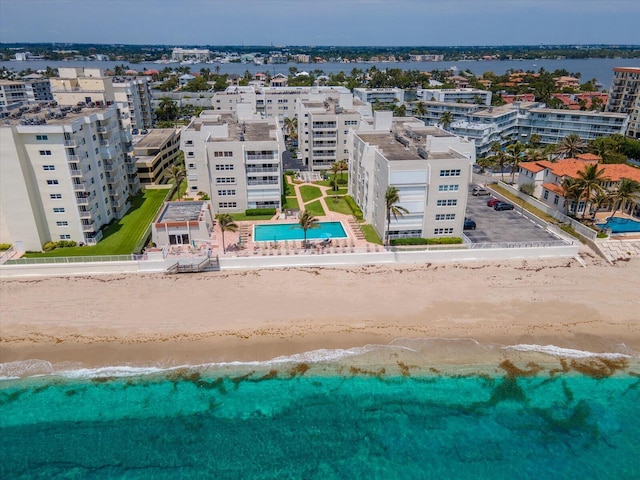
(478,191)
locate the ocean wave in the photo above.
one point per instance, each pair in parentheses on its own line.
(564,352)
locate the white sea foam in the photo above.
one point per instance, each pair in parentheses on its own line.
(563,352)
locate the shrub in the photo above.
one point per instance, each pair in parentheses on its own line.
(527,188)
(47,247)
(426,241)
(4,246)
(354,207)
(256,212)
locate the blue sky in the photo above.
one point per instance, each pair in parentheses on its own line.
(322,22)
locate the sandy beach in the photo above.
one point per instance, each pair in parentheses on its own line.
(261,314)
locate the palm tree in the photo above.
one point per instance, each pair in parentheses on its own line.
(343,167)
(571,191)
(446,119)
(392,198)
(177,173)
(335,168)
(291,127)
(600,200)
(590,180)
(226,224)
(534,140)
(419,110)
(533,155)
(307,221)
(514,153)
(571,145)
(167,109)
(550,151)
(628,192)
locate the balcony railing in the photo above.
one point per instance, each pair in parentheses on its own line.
(262,182)
(80,187)
(262,169)
(70,143)
(88,227)
(86,214)
(73,158)
(261,157)
(102,129)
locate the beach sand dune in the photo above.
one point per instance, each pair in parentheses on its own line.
(260,314)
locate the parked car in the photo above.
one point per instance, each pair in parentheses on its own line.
(479,191)
(469,224)
(503,206)
(492,201)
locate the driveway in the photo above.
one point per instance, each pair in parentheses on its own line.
(503,226)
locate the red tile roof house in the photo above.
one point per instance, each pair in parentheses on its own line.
(548,176)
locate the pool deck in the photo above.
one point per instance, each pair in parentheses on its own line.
(241,244)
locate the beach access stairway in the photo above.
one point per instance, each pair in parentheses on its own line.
(356,229)
(195,265)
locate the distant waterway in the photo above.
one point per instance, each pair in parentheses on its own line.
(599,68)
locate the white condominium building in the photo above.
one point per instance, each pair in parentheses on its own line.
(323,129)
(459,95)
(182,54)
(63,176)
(431,169)
(135,94)
(380,95)
(271,102)
(234,159)
(552,125)
(624,97)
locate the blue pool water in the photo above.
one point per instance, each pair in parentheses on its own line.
(352,422)
(293,231)
(620,225)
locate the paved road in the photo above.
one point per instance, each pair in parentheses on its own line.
(503,226)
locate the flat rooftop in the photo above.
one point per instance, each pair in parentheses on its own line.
(44,116)
(155,138)
(245,131)
(180,212)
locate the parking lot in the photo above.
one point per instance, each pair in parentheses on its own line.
(501,226)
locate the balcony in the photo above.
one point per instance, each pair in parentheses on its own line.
(262,157)
(102,129)
(93,239)
(70,143)
(89,227)
(262,169)
(84,200)
(262,182)
(80,187)
(86,214)
(104,143)
(79,172)
(73,158)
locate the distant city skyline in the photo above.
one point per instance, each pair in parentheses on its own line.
(318,23)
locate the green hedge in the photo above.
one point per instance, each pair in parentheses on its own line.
(256,212)
(47,247)
(354,208)
(426,241)
(4,246)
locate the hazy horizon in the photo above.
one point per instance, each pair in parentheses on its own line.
(373,23)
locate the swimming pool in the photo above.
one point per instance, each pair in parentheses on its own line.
(293,231)
(620,225)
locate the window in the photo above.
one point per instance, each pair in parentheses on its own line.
(443,231)
(190,154)
(451,202)
(221,180)
(556,199)
(224,193)
(448,188)
(58,210)
(192,165)
(48,167)
(445,216)
(224,167)
(65,237)
(227,204)
(351,122)
(223,154)
(450,173)
(194,188)
(42,137)
(46,153)
(546,194)
(52,182)
(63,223)
(55,196)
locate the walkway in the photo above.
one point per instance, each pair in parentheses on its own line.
(620,249)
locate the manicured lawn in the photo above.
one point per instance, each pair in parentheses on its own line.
(242,217)
(342,178)
(370,234)
(315,209)
(288,188)
(180,192)
(309,193)
(121,237)
(341,206)
(292,202)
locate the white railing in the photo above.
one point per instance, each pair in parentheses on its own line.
(7,254)
(86,259)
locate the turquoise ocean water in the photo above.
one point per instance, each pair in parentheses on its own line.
(324,421)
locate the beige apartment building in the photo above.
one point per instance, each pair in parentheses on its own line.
(234,159)
(64,179)
(155,153)
(430,167)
